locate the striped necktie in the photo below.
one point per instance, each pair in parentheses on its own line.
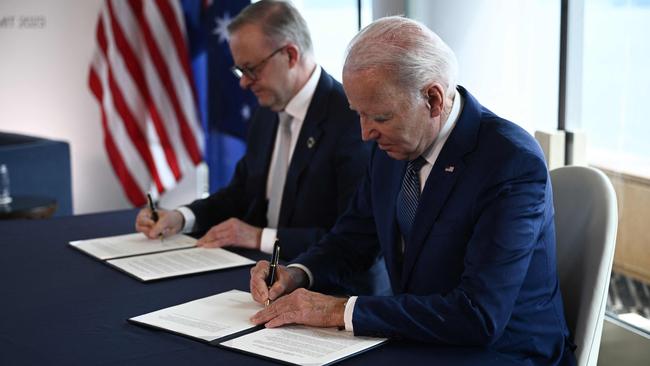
(409,196)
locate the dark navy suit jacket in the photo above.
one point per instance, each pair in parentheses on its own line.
(479,267)
(326,166)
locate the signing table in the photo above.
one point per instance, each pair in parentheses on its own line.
(61,307)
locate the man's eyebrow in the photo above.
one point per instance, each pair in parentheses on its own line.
(380,114)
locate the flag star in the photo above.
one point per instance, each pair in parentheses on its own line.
(245,112)
(221,28)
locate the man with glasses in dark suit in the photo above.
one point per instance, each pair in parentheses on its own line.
(305,155)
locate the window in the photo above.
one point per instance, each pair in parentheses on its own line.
(507,50)
(615,88)
(332,24)
(616,84)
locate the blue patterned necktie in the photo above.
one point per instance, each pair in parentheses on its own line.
(409,196)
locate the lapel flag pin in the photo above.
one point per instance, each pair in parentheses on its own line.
(449,169)
(311,142)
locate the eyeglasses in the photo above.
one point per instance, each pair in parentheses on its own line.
(240,71)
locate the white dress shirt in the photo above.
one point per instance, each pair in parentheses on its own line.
(297,110)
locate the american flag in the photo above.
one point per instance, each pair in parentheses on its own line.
(141,77)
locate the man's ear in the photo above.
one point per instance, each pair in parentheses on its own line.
(435,97)
(294,54)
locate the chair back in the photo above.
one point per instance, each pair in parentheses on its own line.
(586,220)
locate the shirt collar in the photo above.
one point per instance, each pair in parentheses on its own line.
(298,105)
(431,154)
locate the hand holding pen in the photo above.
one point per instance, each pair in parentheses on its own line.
(154,213)
(273,267)
(169,222)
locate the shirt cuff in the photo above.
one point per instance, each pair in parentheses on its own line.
(347,315)
(189,218)
(268,239)
(307,271)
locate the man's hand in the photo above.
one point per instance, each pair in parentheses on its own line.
(169,223)
(232,232)
(303,307)
(287,279)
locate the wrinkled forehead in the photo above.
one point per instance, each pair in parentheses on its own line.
(371,90)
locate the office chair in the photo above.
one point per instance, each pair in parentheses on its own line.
(586,219)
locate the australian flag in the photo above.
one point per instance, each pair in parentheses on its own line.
(225,108)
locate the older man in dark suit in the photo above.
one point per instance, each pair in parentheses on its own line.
(458,201)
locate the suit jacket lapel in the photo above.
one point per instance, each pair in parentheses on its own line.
(447,169)
(266,129)
(391,174)
(436,191)
(306,145)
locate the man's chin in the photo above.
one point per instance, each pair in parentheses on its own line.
(269,103)
(396,155)
(262,102)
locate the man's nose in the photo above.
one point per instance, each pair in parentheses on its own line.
(368,132)
(245,82)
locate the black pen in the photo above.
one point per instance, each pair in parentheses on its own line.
(273,267)
(154,213)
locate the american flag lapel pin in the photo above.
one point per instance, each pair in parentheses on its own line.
(449,169)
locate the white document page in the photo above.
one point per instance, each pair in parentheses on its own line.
(208,318)
(179,262)
(131,244)
(302,345)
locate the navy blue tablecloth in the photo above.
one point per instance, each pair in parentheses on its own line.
(59,306)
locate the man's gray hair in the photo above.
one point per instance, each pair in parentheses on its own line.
(410,51)
(280,22)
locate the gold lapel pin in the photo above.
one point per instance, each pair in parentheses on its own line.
(311,142)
